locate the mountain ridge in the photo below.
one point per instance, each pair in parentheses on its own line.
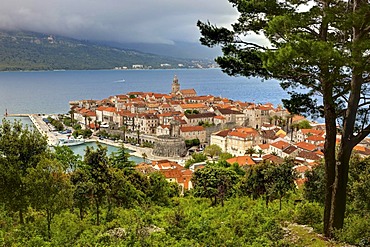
(23,50)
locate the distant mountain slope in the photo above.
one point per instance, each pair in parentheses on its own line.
(35,51)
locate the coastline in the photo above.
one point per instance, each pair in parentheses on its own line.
(53,140)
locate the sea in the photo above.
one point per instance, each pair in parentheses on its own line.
(48,92)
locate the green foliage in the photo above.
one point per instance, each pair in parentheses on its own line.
(269,180)
(205,124)
(214,183)
(85,133)
(195,158)
(159,189)
(189,112)
(309,214)
(50,188)
(250,151)
(77,127)
(304,124)
(192,143)
(212,150)
(359,184)
(58,125)
(120,159)
(20,149)
(67,158)
(147,144)
(356,230)
(314,187)
(316,50)
(97,169)
(225,156)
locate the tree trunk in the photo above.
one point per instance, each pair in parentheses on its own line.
(280,203)
(21,220)
(330,161)
(339,195)
(97,213)
(329,151)
(49,217)
(81,213)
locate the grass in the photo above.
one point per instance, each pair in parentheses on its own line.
(300,235)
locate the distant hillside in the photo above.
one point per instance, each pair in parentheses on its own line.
(35,51)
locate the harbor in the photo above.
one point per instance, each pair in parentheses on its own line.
(54,137)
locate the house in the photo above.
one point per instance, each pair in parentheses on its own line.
(163,130)
(278,148)
(219,139)
(219,120)
(175,173)
(273,159)
(147,123)
(245,160)
(305,146)
(308,157)
(198,107)
(238,140)
(303,134)
(193,132)
(231,116)
(196,119)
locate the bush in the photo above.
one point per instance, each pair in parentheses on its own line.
(309,214)
(356,230)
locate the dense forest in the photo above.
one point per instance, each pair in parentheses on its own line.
(56,198)
(34,51)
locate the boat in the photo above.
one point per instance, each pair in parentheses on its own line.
(122,80)
(70,142)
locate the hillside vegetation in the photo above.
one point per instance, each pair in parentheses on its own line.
(34,51)
(57,199)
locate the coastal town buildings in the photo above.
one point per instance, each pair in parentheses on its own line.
(235,126)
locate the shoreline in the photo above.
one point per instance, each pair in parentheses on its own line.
(53,140)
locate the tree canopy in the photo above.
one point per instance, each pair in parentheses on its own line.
(319,50)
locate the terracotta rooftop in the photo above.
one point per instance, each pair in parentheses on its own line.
(241,160)
(191,128)
(306,146)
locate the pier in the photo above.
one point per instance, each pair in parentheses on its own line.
(17,115)
(44,129)
(39,124)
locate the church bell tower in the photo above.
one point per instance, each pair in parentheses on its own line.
(175,85)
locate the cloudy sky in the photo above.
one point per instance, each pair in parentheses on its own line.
(146,21)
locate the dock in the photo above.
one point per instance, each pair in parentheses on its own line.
(40,125)
(44,129)
(17,115)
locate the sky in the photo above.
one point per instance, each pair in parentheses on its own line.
(143,21)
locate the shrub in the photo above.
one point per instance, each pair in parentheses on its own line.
(309,214)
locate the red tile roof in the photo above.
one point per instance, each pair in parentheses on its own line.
(306,146)
(241,160)
(191,128)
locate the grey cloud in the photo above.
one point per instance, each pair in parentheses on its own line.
(146,21)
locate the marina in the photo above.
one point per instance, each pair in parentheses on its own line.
(55,138)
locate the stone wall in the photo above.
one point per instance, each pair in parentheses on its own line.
(166,146)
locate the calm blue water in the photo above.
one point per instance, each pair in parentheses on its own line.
(50,91)
(80,149)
